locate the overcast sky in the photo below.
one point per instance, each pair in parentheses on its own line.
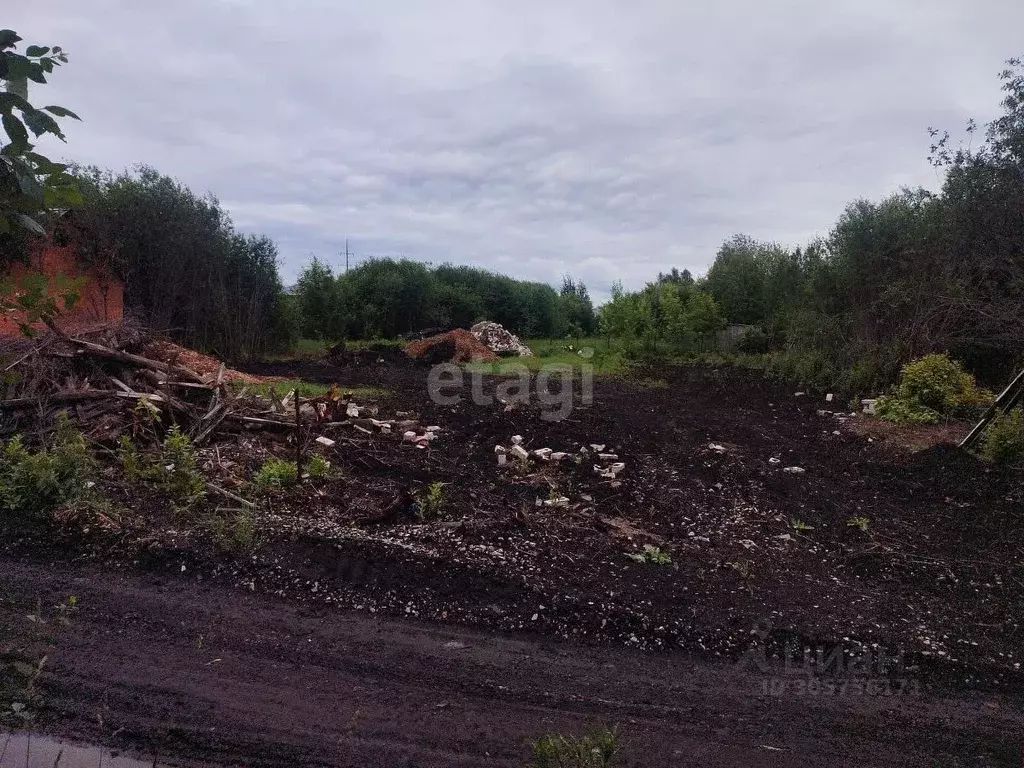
(533,137)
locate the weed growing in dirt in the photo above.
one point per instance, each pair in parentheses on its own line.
(596,750)
(800,526)
(37,482)
(22,666)
(179,470)
(132,462)
(859,522)
(317,467)
(233,530)
(430,501)
(274,475)
(1004,438)
(650,554)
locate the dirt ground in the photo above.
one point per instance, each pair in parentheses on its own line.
(871,552)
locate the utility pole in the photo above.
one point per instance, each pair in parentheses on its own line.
(347,254)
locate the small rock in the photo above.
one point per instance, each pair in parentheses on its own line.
(596,448)
(607,456)
(868,406)
(499,449)
(352,411)
(558,455)
(433,429)
(543,453)
(799,394)
(828,397)
(409,436)
(502,459)
(517,439)
(561,501)
(519,452)
(794,470)
(716,447)
(325,441)
(774,460)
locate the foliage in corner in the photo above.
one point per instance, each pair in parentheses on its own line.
(1004,438)
(30,184)
(36,483)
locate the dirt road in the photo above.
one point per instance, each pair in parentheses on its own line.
(176,668)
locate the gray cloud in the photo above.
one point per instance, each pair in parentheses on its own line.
(609,139)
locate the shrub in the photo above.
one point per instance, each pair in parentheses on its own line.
(936,382)
(899,411)
(1004,438)
(929,388)
(179,470)
(38,482)
(275,474)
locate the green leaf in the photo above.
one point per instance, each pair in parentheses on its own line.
(10,100)
(37,50)
(40,123)
(8,38)
(15,130)
(61,112)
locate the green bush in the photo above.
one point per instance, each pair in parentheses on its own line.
(1004,438)
(936,382)
(179,469)
(931,387)
(38,482)
(275,474)
(899,411)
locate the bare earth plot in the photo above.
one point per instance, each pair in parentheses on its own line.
(499,620)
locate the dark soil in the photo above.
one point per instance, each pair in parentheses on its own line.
(870,552)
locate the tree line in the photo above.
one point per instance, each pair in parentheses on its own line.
(385,298)
(914,273)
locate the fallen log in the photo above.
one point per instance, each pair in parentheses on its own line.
(98,350)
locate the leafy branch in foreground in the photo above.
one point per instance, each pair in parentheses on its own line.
(30,183)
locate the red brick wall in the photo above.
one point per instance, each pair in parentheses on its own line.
(101,297)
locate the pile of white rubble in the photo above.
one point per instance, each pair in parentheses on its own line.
(498,340)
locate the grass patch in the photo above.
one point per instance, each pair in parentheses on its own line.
(306,349)
(309,389)
(604,355)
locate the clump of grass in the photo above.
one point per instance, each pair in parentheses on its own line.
(316,466)
(800,526)
(650,554)
(233,530)
(275,475)
(597,750)
(860,522)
